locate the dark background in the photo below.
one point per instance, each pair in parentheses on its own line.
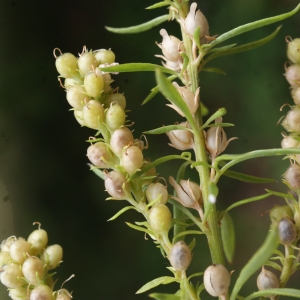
(43,149)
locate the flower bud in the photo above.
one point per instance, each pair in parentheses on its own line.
(180,256)
(157,191)
(160,218)
(69,82)
(87,62)
(38,239)
(292,120)
(105,56)
(63,294)
(181,139)
(121,138)
(293,50)
(280,211)
(10,274)
(4,258)
(216,280)
(216,140)
(99,154)
(19,249)
(18,294)
(115,116)
(267,280)
(93,84)
(5,245)
(287,231)
(33,270)
(118,98)
(52,256)
(93,114)
(41,292)
(295,92)
(170,46)
(288,141)
(66,65)
(292,177)
(132,159)
(78,117)
(76,96)
(188,193)
(115,183)
(196,19)
(292,75)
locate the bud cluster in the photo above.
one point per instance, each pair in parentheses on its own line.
(25,266)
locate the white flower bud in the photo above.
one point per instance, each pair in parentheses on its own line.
(33,270)
(121,138)
(42,292)
(10,274)
(180,256)
(292,177)
(267,280)
(170,46)
(295,92)
(194,20)
(216,280)
(292,75)
(288,141)
(4,258)
(181,139)
(18,294)
(19,250)
(76,96)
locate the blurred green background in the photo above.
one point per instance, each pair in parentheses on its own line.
(43,150)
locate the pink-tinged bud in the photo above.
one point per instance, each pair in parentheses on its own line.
(93,84)
(116,184)
(292,120)
(132,159)
(292,177)
(194,20)
(292,75)
(267,280)
(188,193)
(121,138)
(181,139)
(42,292)
(171,46)
(180,256)
(99,155)
(288,141)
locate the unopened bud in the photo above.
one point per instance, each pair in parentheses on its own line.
(292,177)
(157,191)
(160,218)
(121,138)
(132,159)
(180,256)
(115,183)
(170,46)
(292,75)
(181,139)
(267,280)
(287,231)
(293,50)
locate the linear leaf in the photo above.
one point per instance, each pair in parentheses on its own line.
(139,28)
(98,172)
(242,48)
(159,296)
(165,129)
(186,232)
(250,26)
(155,90)
(121,212)
(257,260)
(138,228)
(247,178)
(184,156)
(248,200)
(157,5)
(214,70)
(137,67)
(155,282)
(228,236)
(282,292)
(170,92)
(219,113)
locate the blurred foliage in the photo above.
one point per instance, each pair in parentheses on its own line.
(42,148)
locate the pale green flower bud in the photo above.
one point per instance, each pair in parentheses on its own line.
(160,218)
(115,116)
(19,250)
(105,56)
(18,294)
(293,50)
(93,114)
(99,154)
(87,62)
(93,84)
(78,116)
(77,96)
(66,65)
(38,239)
(52,256)
(118,98)
(33,270)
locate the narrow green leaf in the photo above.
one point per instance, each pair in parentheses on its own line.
(219,113)
(242,48)
(98,172)
(192,244)
(157,5)
(155,282)
(139,28)
(279,194)
(196,35)
(160,161)
(280,291)
(195,275)
(186,232)
(155,90)
(214,70)
(137,67)
(121,212)
(165,129)
(247,178)
(274,265)
(248,200)
(228,236)
(250,26)
(257,260)
(221,125)
(237,158)
(221,49)
(170,92)
(138,228)
(158,296)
